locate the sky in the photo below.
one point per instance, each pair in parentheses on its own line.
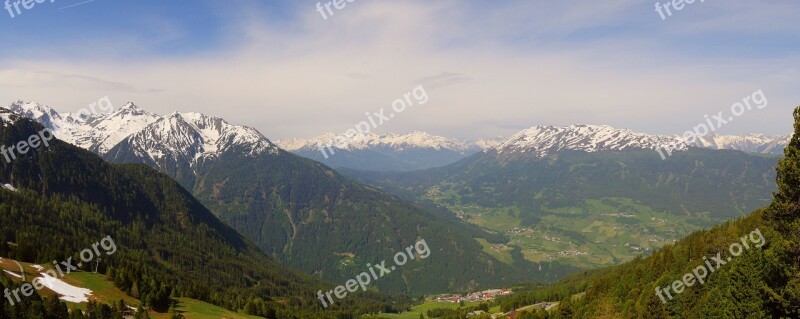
(490,68)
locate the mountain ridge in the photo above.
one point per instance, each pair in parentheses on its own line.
(99,132)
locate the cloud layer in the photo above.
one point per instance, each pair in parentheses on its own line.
(490,68)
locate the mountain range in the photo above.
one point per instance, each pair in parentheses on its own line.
(99,132)
(420,150)
(275,198)
(298,211)
(387,152)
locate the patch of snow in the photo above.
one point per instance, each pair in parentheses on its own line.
(38,267)
(68,292)
(10,187)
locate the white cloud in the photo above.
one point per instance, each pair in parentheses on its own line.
(490,71)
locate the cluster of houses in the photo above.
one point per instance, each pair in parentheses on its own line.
(475,296)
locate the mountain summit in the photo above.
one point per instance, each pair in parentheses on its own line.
(192,135)
(541,141)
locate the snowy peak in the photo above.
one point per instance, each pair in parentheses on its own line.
(191,135)
(100,132)
(542,141)
(224,136)
(97,132)
(410,141)
(43,114)
(751,143)
(131,111)
(195,137)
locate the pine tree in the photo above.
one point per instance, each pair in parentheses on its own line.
(784,213)
(785,209)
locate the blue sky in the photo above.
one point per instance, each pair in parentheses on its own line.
(491,67)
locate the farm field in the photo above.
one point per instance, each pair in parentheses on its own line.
(595,233)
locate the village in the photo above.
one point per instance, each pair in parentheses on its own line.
(474,296)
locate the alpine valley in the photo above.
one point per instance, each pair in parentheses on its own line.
(232,210)
(592,196)
(298,211)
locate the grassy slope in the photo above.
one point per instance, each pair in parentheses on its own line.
(104,291)
(423,309)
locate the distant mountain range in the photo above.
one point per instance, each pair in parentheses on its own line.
(420,150)
(388,152)
(296,210)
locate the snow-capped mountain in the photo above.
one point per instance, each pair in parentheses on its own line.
(45,115)
(192,138)
(542,141)
(388,152)
(413,140)
(750,143)
(488,143)
(98,132)
(189,136)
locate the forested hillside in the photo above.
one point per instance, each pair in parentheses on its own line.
(169,244)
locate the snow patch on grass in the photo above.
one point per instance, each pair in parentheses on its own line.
(68,292)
